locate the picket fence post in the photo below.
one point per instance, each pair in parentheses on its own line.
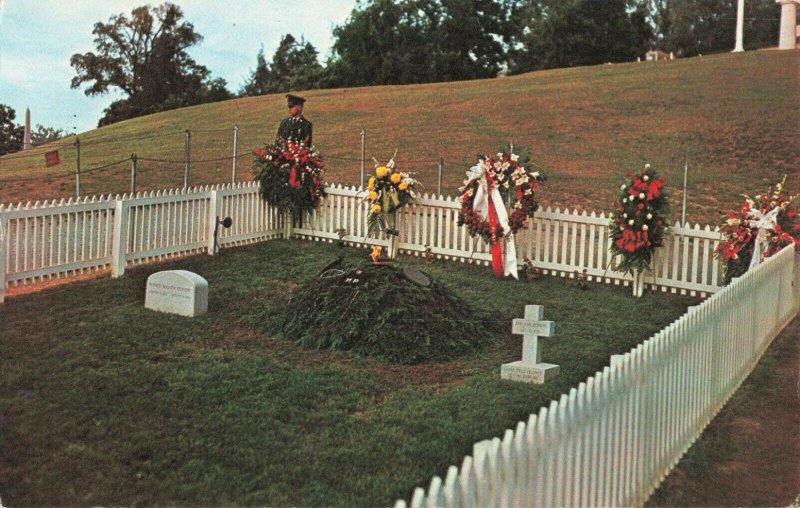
(211,222)
(119,242)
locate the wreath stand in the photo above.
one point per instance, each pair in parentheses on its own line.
(638,283)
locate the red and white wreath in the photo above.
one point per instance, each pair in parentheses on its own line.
(486,189)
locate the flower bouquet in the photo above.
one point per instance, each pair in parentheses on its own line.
(490,184)
(388,191)
(290,175)
(639,224)
(758,229)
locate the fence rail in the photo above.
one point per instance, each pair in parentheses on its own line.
(56,239)
(559,242)
(613,439)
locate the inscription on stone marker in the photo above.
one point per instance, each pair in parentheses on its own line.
(530,369)
(177,292)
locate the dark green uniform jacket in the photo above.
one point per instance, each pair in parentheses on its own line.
(296,129)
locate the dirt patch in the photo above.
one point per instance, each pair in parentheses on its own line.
(750,453)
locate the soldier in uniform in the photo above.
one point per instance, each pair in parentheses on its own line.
(296,128)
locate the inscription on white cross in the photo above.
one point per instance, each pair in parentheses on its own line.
(531,369)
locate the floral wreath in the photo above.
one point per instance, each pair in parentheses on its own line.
(500,172)
(389,190)
(769,220)
(290,175)
(640,221)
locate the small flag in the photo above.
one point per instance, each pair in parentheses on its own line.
(51,159)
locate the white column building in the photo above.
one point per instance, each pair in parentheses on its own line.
(739,27)
(788,33)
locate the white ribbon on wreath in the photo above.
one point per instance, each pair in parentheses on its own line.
(481,205)
(763,222)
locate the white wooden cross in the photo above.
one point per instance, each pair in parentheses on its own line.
(531,369)
(531,327)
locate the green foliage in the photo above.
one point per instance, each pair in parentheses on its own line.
(11,134)
(294,66)
(383,315)
(145,57)
(419,41)
(42,135)
(566,33)
(692,27)
(258,83)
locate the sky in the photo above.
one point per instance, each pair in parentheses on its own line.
(38,37)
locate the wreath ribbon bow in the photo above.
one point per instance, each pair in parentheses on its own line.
(763,222)
(489,203)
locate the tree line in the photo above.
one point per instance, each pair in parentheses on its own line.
(409,41)
(145,56)
(12,135)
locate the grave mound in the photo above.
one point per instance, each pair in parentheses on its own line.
(379,310)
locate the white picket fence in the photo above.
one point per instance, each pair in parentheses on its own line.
(608,442)
(557,242)
(57,239)
(613,439)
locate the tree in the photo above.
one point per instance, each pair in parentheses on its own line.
(419,41)
(701,26)
(42,135)
(258,81)
(566,33)
(294,66)
(11,134)
(690,27)
(145,57)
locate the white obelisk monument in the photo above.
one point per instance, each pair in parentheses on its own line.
(26,143)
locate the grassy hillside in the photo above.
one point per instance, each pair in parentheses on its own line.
(734,116)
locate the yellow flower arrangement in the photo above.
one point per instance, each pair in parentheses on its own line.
(389,190)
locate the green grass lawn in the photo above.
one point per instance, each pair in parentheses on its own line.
(103,402)
(732,116)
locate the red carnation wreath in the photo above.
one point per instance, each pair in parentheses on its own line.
(500,172)
(489,186)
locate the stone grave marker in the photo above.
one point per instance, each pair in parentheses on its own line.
(531,369)
(178,292)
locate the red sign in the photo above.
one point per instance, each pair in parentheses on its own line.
(51,158)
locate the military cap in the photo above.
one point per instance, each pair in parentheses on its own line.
(293,100)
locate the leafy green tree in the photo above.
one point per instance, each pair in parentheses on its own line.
(11,134)
(566,33)
(690,27)
(761,24)
(42,135)
(418,41)
(258,81)
(701,26)
(294,66)
(145,57)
